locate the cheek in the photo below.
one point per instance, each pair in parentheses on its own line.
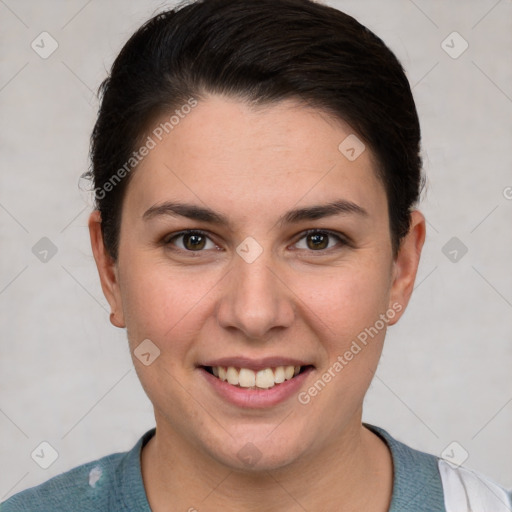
(346,301)
(349,310)
(163,306)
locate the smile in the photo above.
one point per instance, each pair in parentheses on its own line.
(265,378)
(255,383)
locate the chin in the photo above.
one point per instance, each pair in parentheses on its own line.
(260,452)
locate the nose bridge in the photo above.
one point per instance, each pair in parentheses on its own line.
(254,299)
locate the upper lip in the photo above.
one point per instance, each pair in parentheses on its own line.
(255,364)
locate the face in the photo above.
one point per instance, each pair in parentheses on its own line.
(249,240)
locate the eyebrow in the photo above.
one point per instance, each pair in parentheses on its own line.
(200,213)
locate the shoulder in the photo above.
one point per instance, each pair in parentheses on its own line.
(104,484)
(465,489)
(417,483)
(85,486)
(425,482)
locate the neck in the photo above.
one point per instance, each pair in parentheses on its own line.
(335,477)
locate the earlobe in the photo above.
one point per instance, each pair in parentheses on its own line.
(406,264)
(107,271)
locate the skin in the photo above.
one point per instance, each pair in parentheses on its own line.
(252,165)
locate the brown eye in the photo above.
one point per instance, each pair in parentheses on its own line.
(191,241)
(316,240)
(194,242)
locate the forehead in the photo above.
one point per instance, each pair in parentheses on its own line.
(225,152)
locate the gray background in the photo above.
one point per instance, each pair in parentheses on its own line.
(66,376)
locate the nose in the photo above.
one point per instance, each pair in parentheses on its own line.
(255,298)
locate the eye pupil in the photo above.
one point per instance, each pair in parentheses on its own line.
(193,241)
(319,241)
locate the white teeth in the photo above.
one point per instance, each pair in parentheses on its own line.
(247,378)
(232,376)
(279,375)
(263,379)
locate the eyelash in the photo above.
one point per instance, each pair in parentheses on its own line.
(342,241)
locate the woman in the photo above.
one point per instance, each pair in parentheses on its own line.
(256,171)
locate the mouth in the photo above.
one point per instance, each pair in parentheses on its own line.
(263,378)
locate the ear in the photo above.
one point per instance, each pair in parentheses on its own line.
(406,264)
(107,270)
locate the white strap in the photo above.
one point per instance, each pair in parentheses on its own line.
(468,491)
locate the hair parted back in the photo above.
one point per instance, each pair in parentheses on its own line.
(261,51)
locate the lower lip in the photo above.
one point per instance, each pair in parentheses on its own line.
(256,398)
